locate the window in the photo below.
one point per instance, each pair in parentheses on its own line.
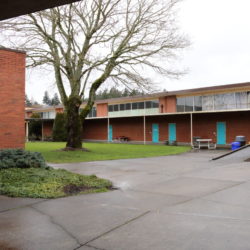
(128,106)
(111,108)
(155,104)
(224,101)
(134,105)
(208,102)
(180,104)
(241,100)
(148,104)
(197,103)
(189,102)
(140,105)
(122,107)
(116,107)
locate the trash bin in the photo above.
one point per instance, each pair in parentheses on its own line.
(241,139)
(235,145)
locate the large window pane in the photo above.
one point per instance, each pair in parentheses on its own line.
(116,107)
(207,102)
(180,104)
(149,105)
(189,103)
(111,108)
(241,100)
(122,107)
(134,105)
(198,103)
(248,99)
(140,105)
(128,106)
(155,104)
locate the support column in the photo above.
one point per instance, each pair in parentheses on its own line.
(191,129)
(27,131)
(144,129)
(108,131)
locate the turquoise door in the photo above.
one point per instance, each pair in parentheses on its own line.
(221,133)
(155,133)
(171,132)
(110,134)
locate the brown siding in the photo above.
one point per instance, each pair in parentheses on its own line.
(102,110)
(12,84)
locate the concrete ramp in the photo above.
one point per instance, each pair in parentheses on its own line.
(237,155)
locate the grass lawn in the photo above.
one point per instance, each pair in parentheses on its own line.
(51,183)
(101,151)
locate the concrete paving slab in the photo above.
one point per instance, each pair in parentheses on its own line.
(87,248)
(233,172)
(86,220)
(201,207)
(178,232)
(238,195)
(7,203)
(27,229)
(186,186)
(133,200)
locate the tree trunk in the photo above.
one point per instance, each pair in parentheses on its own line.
(74,124)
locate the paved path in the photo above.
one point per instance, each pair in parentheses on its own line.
(183,202)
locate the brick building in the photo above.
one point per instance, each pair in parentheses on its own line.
(218,113)
(12,110)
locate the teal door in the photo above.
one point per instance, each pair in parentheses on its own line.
(155,133)
(110,134)
(221,133)
(171,132)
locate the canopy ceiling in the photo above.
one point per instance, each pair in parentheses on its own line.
(13,8)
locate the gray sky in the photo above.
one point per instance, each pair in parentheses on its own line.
(219,31)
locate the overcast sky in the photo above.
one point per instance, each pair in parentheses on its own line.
(219,31)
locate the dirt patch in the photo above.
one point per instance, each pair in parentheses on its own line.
(74,189)
(5,246)
(247,160)
(74,149)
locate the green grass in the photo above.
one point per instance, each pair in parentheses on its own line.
(101,151)
(42,183)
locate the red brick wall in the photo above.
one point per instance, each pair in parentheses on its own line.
(204,125)
(95,129)
(12,84)
(237,123)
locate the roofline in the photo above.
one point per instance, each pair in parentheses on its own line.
(177,92)
(12,50)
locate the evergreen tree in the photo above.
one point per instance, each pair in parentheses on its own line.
(28,102)
(46,98)
(59,128)
(55,100)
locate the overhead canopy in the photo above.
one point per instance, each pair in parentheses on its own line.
(13,8)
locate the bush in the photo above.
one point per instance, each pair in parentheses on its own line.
(19,158)
(59,128)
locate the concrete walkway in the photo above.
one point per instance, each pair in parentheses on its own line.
(173,202)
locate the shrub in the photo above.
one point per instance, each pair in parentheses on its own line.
(59,128)
(19,158)
(35,127)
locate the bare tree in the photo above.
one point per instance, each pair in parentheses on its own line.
(91,41)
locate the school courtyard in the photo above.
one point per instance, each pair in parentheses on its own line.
(172,202)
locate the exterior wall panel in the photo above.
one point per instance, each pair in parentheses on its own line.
(12,110)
